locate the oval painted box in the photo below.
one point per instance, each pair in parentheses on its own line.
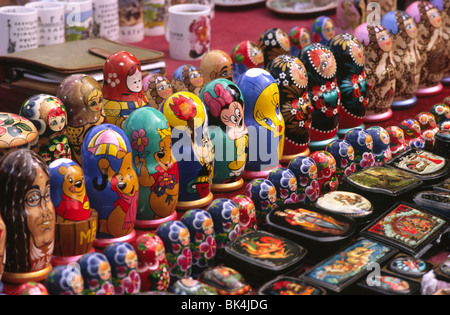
(225,280)
(410,267)
(286,285)
(189,286)
(346,203)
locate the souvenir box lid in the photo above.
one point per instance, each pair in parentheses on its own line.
(443,186)
(408,227)
(346,203)
(442,271)
(408,267)
(438,201)
(285,285)
(225,280)
(388,284)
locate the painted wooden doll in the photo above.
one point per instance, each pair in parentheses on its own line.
(322,30)
(31,288)
(265,123)
(29,216)
(444,8)
(405,57)
(323,92)
(344,155)
(292,79)
(188,78)
(273,42)
(362,144)
(397,140)
(225,107)
(264,195)
(176,238)
(225,216)
(122,87)
(192,148)
(361,7)
(17,132)
(150,137)
(216,64)
(65,280)
(413,133)
(2,246)
(379,69)
(97,275)
(285,184)
(124,262)
(82,97)
(247,213)
(299,37)
(203,238)
(441,113)
(381,144)
(351,80)
(326,171)
(347,17)
(153,267)
(429,128)
(112,184)
(157,89)
(246,55)
(305,170)
(49,116)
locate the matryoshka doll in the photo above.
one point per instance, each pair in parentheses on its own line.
(326,171)
(124,262)
(112,184)
(292,80)
(323,92)
(97,275)
(82,97)
(150,138)
(246,55)
(413,133)
(225,215)
(362,144)
(192,149)
(225,107)
(188,78)
(285,184)
(216,64)
(351,80)
(344,156)
(264,121)
(203,239)
(322,30)
(381,144)
(397,140)
(65,280)
(122,87)
(247,213)
(305,170)
(444,8)
(379,70)
(264,195)
(31,288)
(157,89)
(29,216)
(176,238)
(153,267)
(347,16)
(49,116)
(405,57)
(429,128)
(16,132)
(273,42)
(299,37)
(441,113)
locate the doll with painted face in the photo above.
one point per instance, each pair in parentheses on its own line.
(305,170)
(225,215)
(344,155)
(299,37)
(444,9)
(157,89)
(347,17)
(441,113)
(292,80)
(97,275)
(188,78)
(322,30)
(413,133)
(29,216)
(381,144)
(216,64)
(326,171)
(247,213)
(323,92)
(397,140)
(273,42)
(122,87)
(362,143)
(65,280)
(285,184)
(246,55)
(82,97)
(429,128)
(264,195)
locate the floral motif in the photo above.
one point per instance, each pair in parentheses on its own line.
(199,36)
(184,260)
(165,181)
(138,140)
(184,108)
(367,160)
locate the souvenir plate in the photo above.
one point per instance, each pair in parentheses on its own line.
(438,201)
(285,285)
(348,265)
(346,203)
(408,266)
(236,3)
(300,7)
(407,227)
(388,284)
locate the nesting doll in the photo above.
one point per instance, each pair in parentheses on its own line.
(247,213)
(292,80)
(344,155)
(397,140)
(361,6)
(111,182)
(246,55)
(379,69)
(299,37)
(413,133)
(273,42)
(264,122)
(264,195)
(49,116)
(444,8)
(431,46)
(203,239)
(305,170)
(29,216)
(150,137)
(428,127)
(225,216)
(285,184)
(323,92)
(322,30)
(31,288)
(97,275)
(82,97)
(124,262)
(225,108)
(16,132)
(176,238)
(351,80)
(2,246)
(381,144)
(152,263)
(347,16)
(362,144)
(122,87)
(441,113)
(192,148)
(216,64)
(405,57)
(326,171)
(157,89)
(188,78)
(65,280)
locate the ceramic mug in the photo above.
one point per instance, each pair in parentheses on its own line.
(19,26)
(131,21)
(187,28)
(50,22)
(79,18)
(106,19)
